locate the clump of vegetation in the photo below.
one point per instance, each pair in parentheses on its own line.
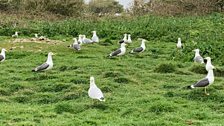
(219,72)
(121,80)
(165,68)
(63,107)
(198,68)
(159,108)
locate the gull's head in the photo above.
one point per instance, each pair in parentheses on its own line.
(16,33)
(92,80)
(94,32)
(75,40)
(208,58)
(50,54)
(123,44)
(179,39)
(143,40)
(129,35)
(125,35)
(196,50)
(36,35)
(4,50)
(83,36)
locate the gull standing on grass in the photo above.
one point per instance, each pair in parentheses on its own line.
(179,44)
(86,40)
(209,64)
(124,40)
(2,55)
(94,92)
(75,45)
(129,39)
(119,52)
(95,38)
(197,57)
(16,35)
(47,65)
(80,40)
(205,82)
(140,49)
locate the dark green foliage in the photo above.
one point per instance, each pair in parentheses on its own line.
(160,107)
(199,69)
(21,99)
(122,80)
(40,77)
(165,68)
(106,42)
(112,74)
(79,81)
(219,72)
(4,92)
(64,107)
(71,95)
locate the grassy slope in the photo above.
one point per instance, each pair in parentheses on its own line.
(135,94)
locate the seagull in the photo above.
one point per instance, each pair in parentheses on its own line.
(75,45)
(15,35)
(179,45)
(36,35)
(47,65)
(86,40)
(124,40)
(208,80)
(95,38)
(129,39)
(139,49)
(2,55)
(208,64)
(119,52)
(80,40)
(94,92)
(197,57)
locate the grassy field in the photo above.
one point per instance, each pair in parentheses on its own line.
(143,89)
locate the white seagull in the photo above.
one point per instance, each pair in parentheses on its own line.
(47,65)
(86,40)
(140,49)
(208,80)
(94,92)
(75,45)
(124,40)
(36,35)
(2,55)
(119,52)
(179,44)
(95,38)
(197,57)
(15,35)
(129,39)
(209,64)
(80,40)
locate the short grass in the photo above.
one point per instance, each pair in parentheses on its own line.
(142,89)
(135,93)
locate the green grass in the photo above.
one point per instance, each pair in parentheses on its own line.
(144,89)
